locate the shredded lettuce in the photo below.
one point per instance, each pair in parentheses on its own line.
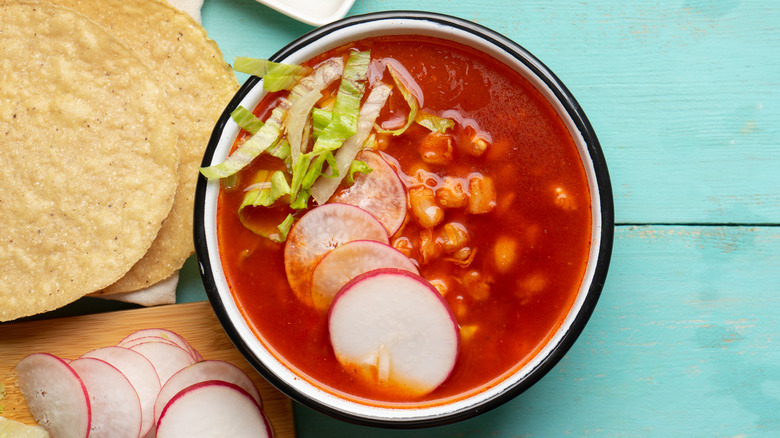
(308,90)
(284,227)
(411,100)
(297,118)
(320,119)
(434,123)
(271,131)
(343,125)
(246,120)
(355,167)
(267,189)
(275,76)
(324,188)
(264,138)
(281,150)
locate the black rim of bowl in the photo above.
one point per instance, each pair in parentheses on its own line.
(605,197)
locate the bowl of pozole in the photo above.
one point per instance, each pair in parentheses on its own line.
(404,219)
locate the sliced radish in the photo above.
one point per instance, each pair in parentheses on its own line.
(144,339)
(55,395)
(379,192)
(213,409)
(116,409)
(201,372)
(165,334)
(316,233)
(344,263)
(141,374)
(167,359)
(395,328)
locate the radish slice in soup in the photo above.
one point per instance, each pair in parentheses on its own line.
(55,395)
(201,372)
(213,409)
(116,409)
(317,232)
(346,262)
(379,192)
(396,330)
(141,374)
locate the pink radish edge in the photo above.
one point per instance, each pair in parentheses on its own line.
(225,410)
(206,370)
(66,410)
(141,374)
(381,192)
(320,230)
(345,262)
(116,408)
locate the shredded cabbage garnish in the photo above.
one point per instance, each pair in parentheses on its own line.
(270,132)
(434,123)
(317,138)
(357,166)
(320,119)
(308,90)
(343,124)
(246,120)
(264,138)
(411,100)
(323,189)
(266,188)
(266,191)
(275,76)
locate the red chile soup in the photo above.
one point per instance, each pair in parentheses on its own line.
(498,218)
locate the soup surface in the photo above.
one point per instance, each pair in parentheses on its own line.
(509,270)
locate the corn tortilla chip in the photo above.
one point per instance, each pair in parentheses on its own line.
(199,83)
(88,160)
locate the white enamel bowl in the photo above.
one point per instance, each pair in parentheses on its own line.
(506,51)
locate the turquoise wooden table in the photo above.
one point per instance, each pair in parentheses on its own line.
(685,99)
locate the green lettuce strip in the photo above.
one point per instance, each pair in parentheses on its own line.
(271,131)
(246,120)
(275,76)
(343,124)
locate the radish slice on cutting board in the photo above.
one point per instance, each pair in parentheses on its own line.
(319,231)
(166,358)
(116,409)
(141,374)
(379,192)
(349,260)
(55,395)
(396,329)
(165,334)
(213,409)
(201,372)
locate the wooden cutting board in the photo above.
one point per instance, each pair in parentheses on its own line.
(71,337)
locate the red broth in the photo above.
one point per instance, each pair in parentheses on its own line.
(530,250)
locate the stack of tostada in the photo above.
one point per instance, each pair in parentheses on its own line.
(106,107)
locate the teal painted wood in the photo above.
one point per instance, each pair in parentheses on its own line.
(684,96)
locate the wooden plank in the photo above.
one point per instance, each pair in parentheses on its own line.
(73,336)
(682,95)
(682,343)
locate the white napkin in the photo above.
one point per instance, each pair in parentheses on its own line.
(163,292)
(191,7)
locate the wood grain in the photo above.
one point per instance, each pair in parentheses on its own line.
(73,336)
